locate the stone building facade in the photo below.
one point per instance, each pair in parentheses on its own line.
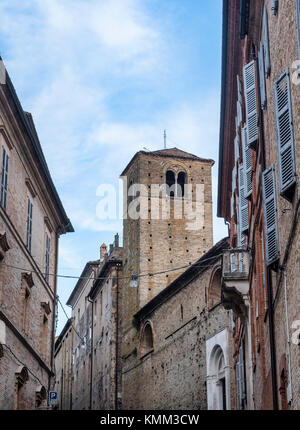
(90,340)
(31,220)
(81,350)
(106,297)
(163,235)
(259,196)
(63,359)
(184,354)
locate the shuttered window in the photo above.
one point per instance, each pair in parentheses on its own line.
(247,163)
(285,134)
(47,257)
(239,101)
(242,372)
(29,224)
(243,203)
(250,92)
(4,176)
(266,47)
(270,213)
(262,82)
(240,378)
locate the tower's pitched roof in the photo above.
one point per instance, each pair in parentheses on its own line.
(169,153)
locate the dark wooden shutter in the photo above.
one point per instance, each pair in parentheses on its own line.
(285,134)
(243,203)
(262,82)
(47,258)
(270,214)
(250,92)
(247,163)
(29,224)
(4,177)
(266,47)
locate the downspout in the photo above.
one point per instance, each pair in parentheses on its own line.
(288,342)
(250,367)
(269,278)
(117,342)
(92,355)
(54,313)
(272,341)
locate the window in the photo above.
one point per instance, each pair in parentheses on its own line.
(4,175)
(285,135)
(47,258)
(240,378)
(247,164)
(25,310)
(266,47)
(146,345)
(243,204)
(29,224)
(181,182)
(270,215)
(175,185)
(251,103)
(170,181)
(22,377)
(214,290)
(44,335)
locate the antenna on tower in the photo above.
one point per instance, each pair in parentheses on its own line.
(165,139)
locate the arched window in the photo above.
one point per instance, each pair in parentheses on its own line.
(21,379)
(214,291)
(146,345)
(180,184)
(170,181)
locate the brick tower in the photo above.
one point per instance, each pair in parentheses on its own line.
(155,243)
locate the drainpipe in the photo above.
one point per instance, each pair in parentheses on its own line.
(272,340)
(54,314)
(269,278)
(250,367)
(117,342)
(92,355)
(290,398)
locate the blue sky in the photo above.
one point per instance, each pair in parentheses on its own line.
(103,79)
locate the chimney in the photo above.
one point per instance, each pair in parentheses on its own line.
(103,252)
(116,244)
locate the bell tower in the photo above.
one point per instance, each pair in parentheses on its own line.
(167,225)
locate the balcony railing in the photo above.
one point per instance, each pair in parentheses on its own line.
(235,264)
(235,279)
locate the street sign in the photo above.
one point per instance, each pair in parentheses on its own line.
(53,398)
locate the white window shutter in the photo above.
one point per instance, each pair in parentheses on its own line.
(262,82)
(270,215)
(250,92)
(266,47)
(247,163)
(243,203)
(285,133)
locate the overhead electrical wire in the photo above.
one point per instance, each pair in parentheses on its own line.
(141,275)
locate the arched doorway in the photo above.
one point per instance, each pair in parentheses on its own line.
(216,386)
